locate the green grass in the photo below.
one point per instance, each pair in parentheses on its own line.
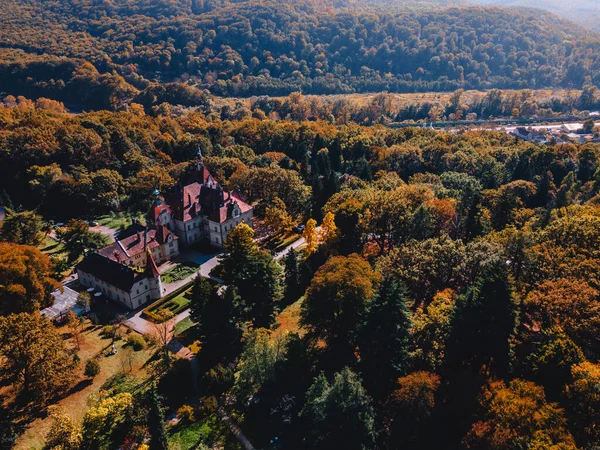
(189,436)
(119,221)
(57,251)
(179,272)
(183,326)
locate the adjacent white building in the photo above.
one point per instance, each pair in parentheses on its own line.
(130,286)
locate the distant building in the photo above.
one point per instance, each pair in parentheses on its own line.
(200,209)
(130,286)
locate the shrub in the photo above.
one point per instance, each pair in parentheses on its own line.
(136,341)
(186,414)
(92,368)
(108,331)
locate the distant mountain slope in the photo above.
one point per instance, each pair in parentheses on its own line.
(584,12)
(271,47)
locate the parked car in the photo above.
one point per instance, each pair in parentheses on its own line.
(93,224)
(299,228)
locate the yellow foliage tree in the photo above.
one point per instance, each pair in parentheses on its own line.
(311,237)
(105,415)
(329,230)
(64,433)
(277,217)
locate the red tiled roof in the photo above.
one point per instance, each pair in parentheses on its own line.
(226,210)
(156,210)
(151,268)
(128,247)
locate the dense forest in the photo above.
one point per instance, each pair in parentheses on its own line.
(104,54)
(450,299)
(445,289)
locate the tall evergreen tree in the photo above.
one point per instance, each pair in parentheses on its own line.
(339,415)
(483,323)
(156,422)
(292,274)
(384,338)
(202,291)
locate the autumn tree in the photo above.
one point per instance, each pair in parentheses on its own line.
(75,323)
(583,395)
(106,419)
(431,326)
(21,228)
(409,410)
(34,353)
(311,237)
(261,354)
(329,230)
(65,433)
(92,368)
(518,416)
(338,415)
(573,304)
(384,338)
(277,217)
(27,282)
(335,303)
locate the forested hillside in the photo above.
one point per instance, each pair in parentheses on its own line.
(103,54)
(584,12)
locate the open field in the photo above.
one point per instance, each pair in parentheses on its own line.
(399,101)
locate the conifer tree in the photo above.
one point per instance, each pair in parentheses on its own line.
(385,337)
(292,274)
(156,422)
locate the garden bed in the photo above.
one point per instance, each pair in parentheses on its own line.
(174,303)
(180,272)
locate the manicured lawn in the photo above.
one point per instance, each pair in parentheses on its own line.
(180,272)
(190,436)
(123,371)
(182,326)
(174,305)
(119,221)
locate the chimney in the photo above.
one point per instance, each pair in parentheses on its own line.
(189,199)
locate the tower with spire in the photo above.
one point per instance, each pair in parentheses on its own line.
(153,275)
